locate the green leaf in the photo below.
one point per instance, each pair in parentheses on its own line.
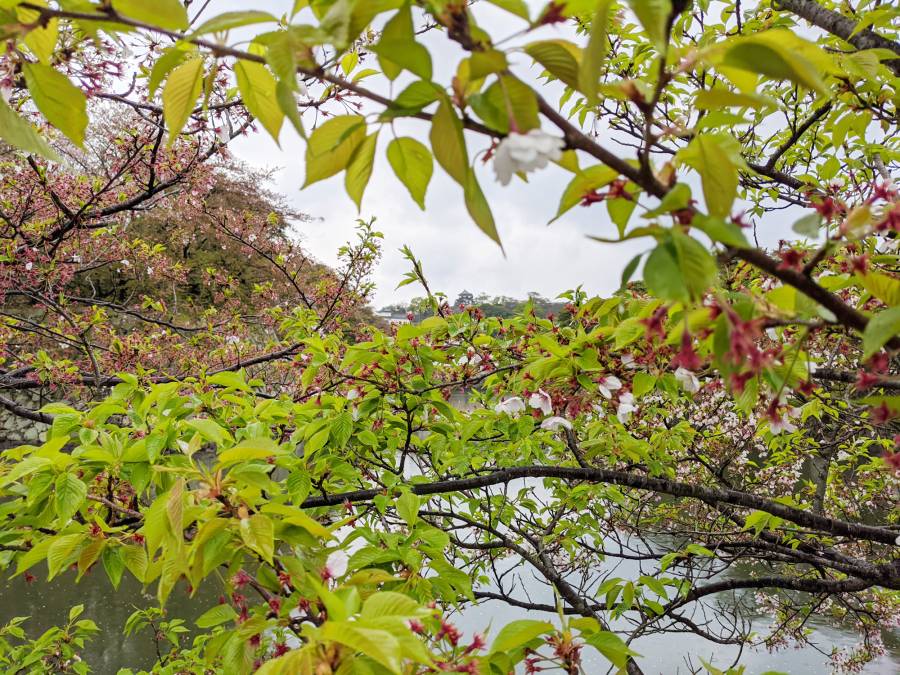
(517,633)
(662,274)
(883,287)
(379,645)
(630,269)
(595,53)
(287,102)
(231,20)
(180,95)
(408,507)
(398,45)
(479,208)
(448,144)
(61,552)
(210,430)
(113,565)
(592,178)
(611,646)
(487,62)
(175,508)
(642,383)
(780,55)
(808,225)
(61,102)
(167,61)
(170,14)
(257,87)
(880,329)
(216,616)
(559,57)
(390,603)
(718,229)
(698,267)
(253,448)
(359,170)
(20,134)
(41,40)
(413,165)
(89,555)
(517,7)
(69,495)
(258,534)
(654,17)
(412,99)
(331,146)
(717,171)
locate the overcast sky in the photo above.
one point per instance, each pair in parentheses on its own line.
(455,254)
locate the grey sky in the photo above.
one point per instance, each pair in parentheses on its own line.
(454,252)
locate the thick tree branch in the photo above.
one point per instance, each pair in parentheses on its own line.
(842,27)
(632,480)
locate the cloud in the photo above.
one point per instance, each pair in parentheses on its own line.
(455,254)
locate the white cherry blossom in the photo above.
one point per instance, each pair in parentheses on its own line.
(336,564)
(628,361)
(608,385)
(511,406)
(541,400)
(553,423)
(688,380)
(525,152)
(469,360)
(626,407)
(785,423)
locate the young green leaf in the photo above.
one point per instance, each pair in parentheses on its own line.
(61,102)
(594,54)
(170,14)
(331,146)
(180,95)
(881,328)
(518,633)
(559,57)
(448,144)
(230,20)
(359,170)
(408,507)
(257,87)
(654,17)
(69,495)
(20,134)
(398,45)
(413,165)
(479,208)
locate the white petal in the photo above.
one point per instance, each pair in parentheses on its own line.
(336,564)
(503,167)
(553,423)
(611,382)
(524,155)
(511,406)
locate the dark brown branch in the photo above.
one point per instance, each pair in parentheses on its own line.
(842,27)
(632,480)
